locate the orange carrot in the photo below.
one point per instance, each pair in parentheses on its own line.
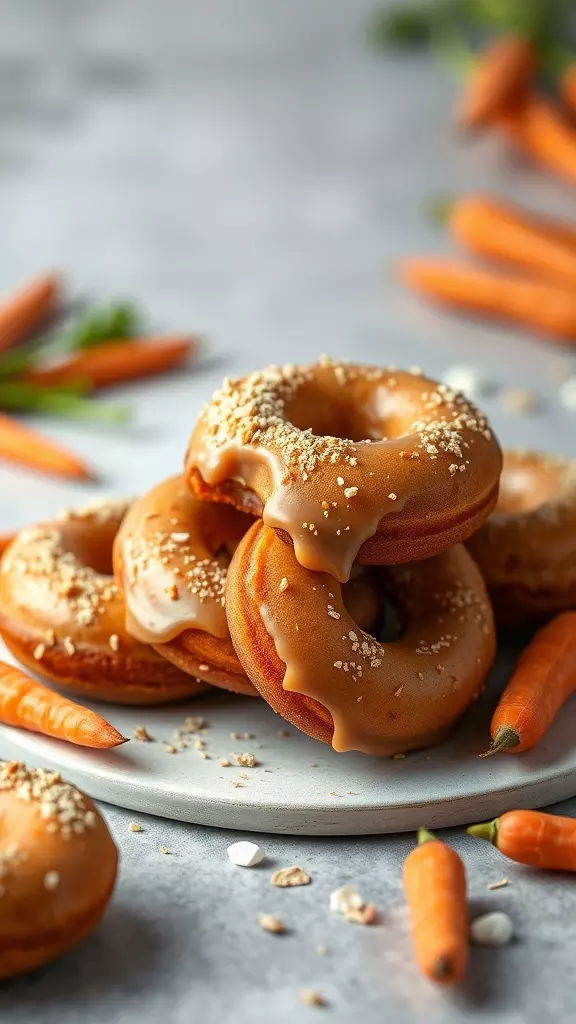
(435,888)
(116,362)
(500,80)
(28,308)
(544,677)
(544,307)
(568,87)
(543,134)
(5,541)
(532,837)
(23,446)
(503,232)
(27,704)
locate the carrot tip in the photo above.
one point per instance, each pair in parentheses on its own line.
(443,969)
(505,739)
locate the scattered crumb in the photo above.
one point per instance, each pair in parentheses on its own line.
(114,642)
(363,915)
(246,760)
(518,400)
(344,899)
(312,998)
(164,849)
(170,749)
(51,880)
(461,377)
(286,878)
(322,950)
(237,785)
(245,854)
(224,763)
(313,764)
(283,584)
(39,652)
(398,757)
(350,492)
(494,929)
(349,903)
(498,885)
(392,496)
(141,733)
(567,393)
(271,923)
(192,724)
(135,827)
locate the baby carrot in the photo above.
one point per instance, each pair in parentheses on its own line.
(541,132)
(23,446)
(435,888)
(27,704)
(116,362)
(27,309)
(501,78)
(503,232)
(5,541)
(532,837)
(544,307)
(544,677)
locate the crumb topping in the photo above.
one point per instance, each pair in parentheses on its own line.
(205,578)
(62,806)
(40,554)
(253,411)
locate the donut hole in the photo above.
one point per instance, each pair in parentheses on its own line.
(371,609)
(91,545)
(523,489)
(360,411)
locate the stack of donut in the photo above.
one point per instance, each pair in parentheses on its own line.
(314,500)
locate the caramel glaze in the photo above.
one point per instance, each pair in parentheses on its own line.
(61,613)
(527,548)
(170,563)
(350,463)
(58,866)
(315,666)
(170,559)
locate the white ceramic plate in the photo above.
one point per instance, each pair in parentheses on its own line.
(299,785)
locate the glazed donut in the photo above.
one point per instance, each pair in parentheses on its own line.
(170,558)
(58,866)
(61,613)
(351,463)
(315,666)
(170,564)
(527,548)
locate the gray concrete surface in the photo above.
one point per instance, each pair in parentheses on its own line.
(250,168)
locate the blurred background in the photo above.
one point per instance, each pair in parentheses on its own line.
(250,170)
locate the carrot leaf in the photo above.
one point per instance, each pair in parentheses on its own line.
(108,323)
(66,401)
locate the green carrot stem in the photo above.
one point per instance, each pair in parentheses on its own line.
(505,739)
(486,830)
(20,397)
(424,836)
